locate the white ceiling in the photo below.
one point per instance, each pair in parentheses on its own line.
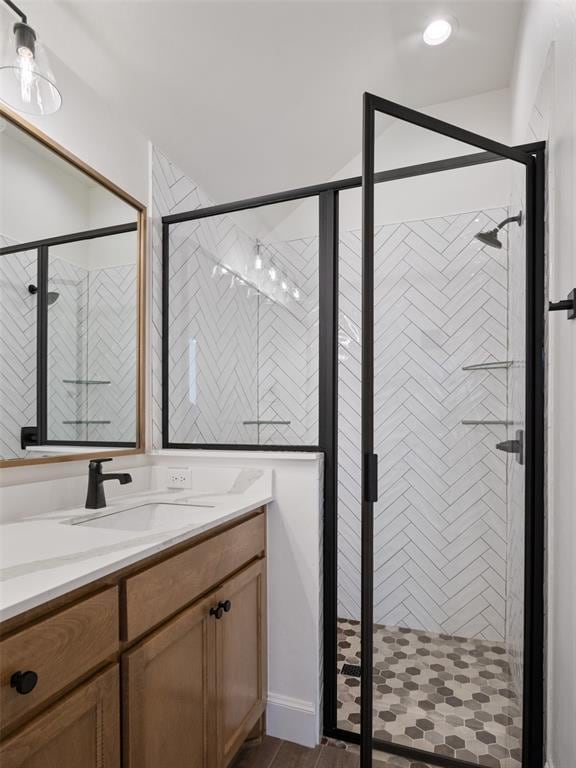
(254,97)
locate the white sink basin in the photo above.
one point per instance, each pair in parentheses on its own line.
(161,516)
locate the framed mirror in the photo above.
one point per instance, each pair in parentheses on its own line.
(72,274)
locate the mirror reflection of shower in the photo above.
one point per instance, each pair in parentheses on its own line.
(491,236)
(53,296)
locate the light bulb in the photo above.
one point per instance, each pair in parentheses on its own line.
(437,32)
(284,285)
(24,53)
(296,293)
(272,273)
(258,262)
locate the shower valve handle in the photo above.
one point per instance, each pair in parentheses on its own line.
(514,446)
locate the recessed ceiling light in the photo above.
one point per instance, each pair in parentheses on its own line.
(437,32)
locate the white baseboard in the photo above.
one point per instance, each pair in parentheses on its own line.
(292,720)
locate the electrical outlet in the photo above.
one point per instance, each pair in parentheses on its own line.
(179,477)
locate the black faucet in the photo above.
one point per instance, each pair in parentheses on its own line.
(95,498)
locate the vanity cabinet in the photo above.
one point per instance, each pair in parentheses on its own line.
(195,688)
(240,647)
(125,678)
(81,731)
(167,701)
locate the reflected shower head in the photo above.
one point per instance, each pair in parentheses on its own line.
(491,236)
(52,296)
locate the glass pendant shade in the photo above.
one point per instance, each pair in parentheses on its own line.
(27,83)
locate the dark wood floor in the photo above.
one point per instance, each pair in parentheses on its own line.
(273,753)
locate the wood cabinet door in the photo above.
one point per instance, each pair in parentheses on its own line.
(81,731)
(240,659)
(168,694)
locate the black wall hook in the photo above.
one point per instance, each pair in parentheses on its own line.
(569,304)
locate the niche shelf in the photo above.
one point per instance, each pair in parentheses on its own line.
(490,366)
(85,381)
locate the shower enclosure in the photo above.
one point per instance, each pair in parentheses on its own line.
(392,333)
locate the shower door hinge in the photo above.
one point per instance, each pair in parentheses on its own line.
(370,477)
(569,304)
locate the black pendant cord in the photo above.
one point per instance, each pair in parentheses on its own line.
(17,11)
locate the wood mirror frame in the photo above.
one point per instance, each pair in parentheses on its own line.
(69,157)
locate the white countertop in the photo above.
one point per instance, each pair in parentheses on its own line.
(45,556)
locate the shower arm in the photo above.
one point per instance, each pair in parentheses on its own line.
(509,220)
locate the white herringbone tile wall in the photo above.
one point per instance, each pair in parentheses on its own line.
(236,354)
(288,348)
(67,336)
(172,192)
(441,303)
(440,523)
(17,348)
(111,353)
(213,337)
(91,335)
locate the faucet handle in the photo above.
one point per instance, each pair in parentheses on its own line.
(95,463)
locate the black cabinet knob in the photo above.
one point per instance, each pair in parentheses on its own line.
(223,607)
(24,682)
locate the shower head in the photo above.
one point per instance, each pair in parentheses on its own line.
(52,296)
(491,236)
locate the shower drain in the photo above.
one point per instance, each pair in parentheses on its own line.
(351,670)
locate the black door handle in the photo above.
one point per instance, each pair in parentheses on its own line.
(24,682)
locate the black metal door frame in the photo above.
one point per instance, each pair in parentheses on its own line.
(533,702)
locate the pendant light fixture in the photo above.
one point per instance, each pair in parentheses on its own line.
(27,82)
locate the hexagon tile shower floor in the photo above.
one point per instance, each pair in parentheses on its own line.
(449,695)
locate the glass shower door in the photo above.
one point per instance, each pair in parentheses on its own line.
(451,453)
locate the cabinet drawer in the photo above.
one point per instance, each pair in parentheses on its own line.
(162,590)
(80,731)
(59,650)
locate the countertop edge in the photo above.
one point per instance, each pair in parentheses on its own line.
(82,580)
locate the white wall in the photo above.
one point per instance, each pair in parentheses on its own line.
(439,194)
(42,196)
(39,197)
(92,129)
(544,96)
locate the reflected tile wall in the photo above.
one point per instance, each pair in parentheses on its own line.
(17,348)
